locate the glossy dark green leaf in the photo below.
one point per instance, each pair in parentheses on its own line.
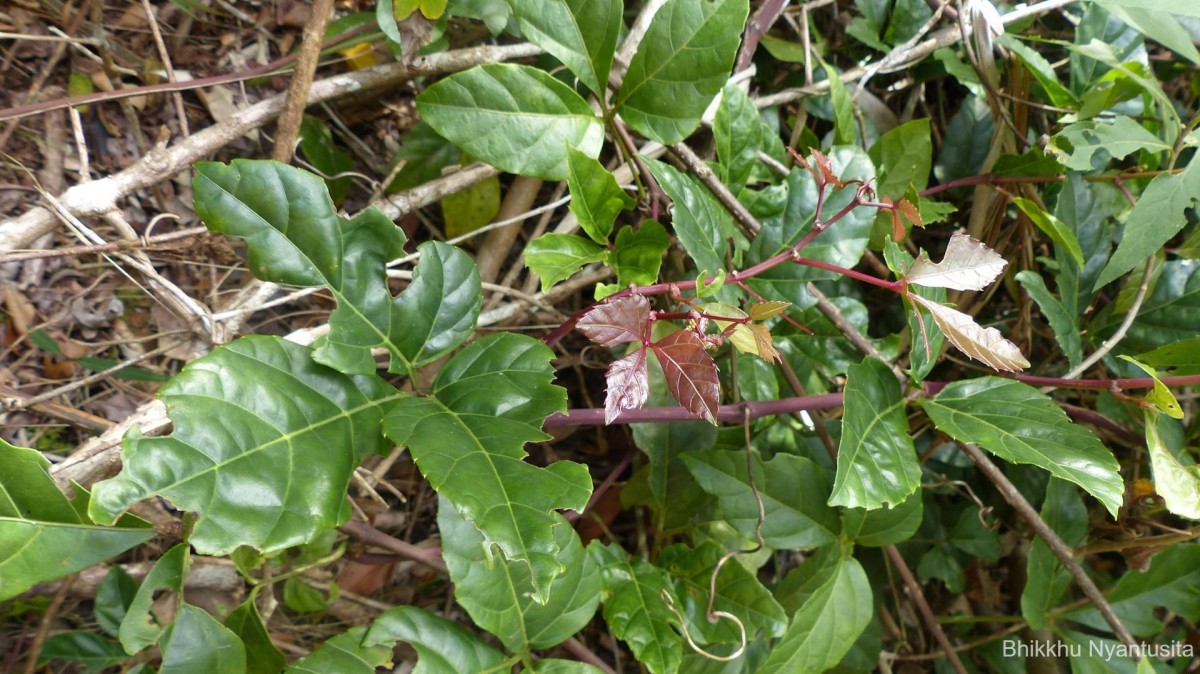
(1021,425)
(1158,24)
(904,156)
(665,484)
(740,134)
(113,597)
(517,118)
(845,126)
(877,463)
(1171,582)
(1182,354)
(198,644)
(793,491)
(827,346)
(1051,226)
(1046,579)
(1170,313)
(639,252)
(968,138)
(1041,69)
(499,595)
(442,646)
(273,473)
(295,237)
(827,625)
(580,33)
(42,533)
(738,592)
(345,654)
(1089,210)
(140,627)
(635,610)
(1066,330)
(884,526)
(316,142)
(1157,216)
(700,221)
(424,154)
(556,257)
(596,198)
(680,65)
(262,657)
(468,439)
(89,649)
(1093,144)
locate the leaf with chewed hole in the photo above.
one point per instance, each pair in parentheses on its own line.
(985,345)
(691,373)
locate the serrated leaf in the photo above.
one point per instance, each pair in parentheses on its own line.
(884,526)
(700,221)
(967,265)
(792,490)
(876,462)
(442,646)
(596,198)
(628,385)
(261,655)
(691,373)
(1021,425)
(41,533)
(1046,579)
(468,439)
(664,484)
(638,253)
(740,134)
(737,592)
(295,237)
(634,608)
(1051,226)
(499,595)
(1157,216)
(517,118)
(754,338)
(761,311)
(985,345)
(827,625)
(1065,329)
(580,33)
(625,319)
(139,628)
(557,257)
(198,644)
(845,127)
(1170,583)
(1177,484)
(680,65)
(264,444)
(904,156)
(345,654)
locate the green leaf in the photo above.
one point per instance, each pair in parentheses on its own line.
(469,209)
(639,252)
(555,666)
(1041,69)
(738,592)
(139,628)
(261,655)
(467,438)
(316,142)
(1021,425)
(295,237)
(876,462)
(884,526)
(670,489)
(680,65)
(792,489)
(424,154)
(967,141)
(498,595)
(264,444)
(845,127)
(113,597)
(442,646)
(89,649)
(1170,313)
(596,198)
(1160,397)
(700,221)
(635,610)
(1170,6)
(41,533)
(1156,24)
(827,625)
(1065,329)
(556,257)
(1092,144)
(494,13)
(1179,485)
(904,156)
(345,654)
(197,643)
(1051,226)
(1046,579)
(1157,216)
(1171,582)
(1182,354)
(580,33)
(299,597)
(517,118)
(926,337)
(740,134)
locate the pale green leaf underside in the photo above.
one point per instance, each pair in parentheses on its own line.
(1019,424)
(680,65)
(516,118)
(264,444)
(468,437)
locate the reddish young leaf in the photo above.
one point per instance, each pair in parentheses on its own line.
(626,319)
(761,311)
(826,168)
(691,373)
(628,385)
(910,212)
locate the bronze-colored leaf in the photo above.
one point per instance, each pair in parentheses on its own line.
(910,212)
(626,319)
(691,373)
(628,385)
(986,345)
(761,311)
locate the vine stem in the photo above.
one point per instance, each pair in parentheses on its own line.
(1061,550)
(918,598)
